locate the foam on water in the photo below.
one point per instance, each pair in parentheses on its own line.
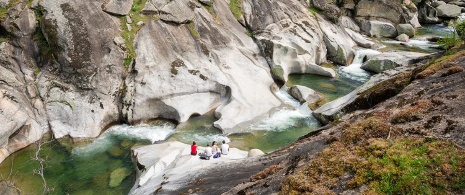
(286,98)
(140,132)
(354,71)
(285,117)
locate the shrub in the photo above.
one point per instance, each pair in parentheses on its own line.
(449,41)
(460,29)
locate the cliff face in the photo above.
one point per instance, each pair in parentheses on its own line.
(76,67)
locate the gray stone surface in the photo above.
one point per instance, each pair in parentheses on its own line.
(377,28)
(304,94)
(360,39)
(428,14)
(448,11)
(177,11)
(149,9)
(81,90)
(403,38)
(405,29)
(255,153)
(288,36)
(117,7)
(338,42)
(391,60)
(218,67)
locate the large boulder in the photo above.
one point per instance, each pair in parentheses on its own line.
(81,90)
(304,94)
(347,22)
(448,11)
(360,39)
(198,67)
(391,60)
(177,11)
(288,36)
(397,11)
(406,29)
(403,38)
(428,14)
(329,8)
(255,153)
(338,42)
(376,28)
(117,7)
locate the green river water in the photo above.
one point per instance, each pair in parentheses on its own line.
(104,165)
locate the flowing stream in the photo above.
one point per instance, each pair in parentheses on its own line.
(104,165)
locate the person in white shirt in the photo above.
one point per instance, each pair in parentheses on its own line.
(208,152)
(224,148)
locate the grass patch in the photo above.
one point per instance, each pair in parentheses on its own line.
(236,8)
(400,166)
(194,32)
(130,31)
(313,11)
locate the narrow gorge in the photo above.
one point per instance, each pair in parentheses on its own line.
(314,97)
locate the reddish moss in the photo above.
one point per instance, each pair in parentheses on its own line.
(453,70)
(412,113)
(266,172)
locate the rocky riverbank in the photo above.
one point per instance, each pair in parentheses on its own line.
(426,115)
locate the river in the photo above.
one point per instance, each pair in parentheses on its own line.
(104,165)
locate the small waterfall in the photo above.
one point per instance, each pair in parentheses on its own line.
(354,71)
(461,17)
(285,117)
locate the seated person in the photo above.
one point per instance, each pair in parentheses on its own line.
(208,153)
(224,148)
(194,148)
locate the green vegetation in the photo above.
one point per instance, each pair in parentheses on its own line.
(249,33)
(130,30)
(4,39)
(313,11)
(454,39)
(236,8)
(194,32)
(373,154)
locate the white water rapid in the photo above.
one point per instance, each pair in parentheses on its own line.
(354,71)
(140,132)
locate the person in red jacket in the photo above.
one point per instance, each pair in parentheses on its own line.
(194,148)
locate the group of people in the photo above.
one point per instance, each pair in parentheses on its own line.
(211,151)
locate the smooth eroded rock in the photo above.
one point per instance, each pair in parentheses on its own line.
(304,94)
(255,152)
(377,28)
(201,67)
(403,38)
(387,61)
(117,7)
